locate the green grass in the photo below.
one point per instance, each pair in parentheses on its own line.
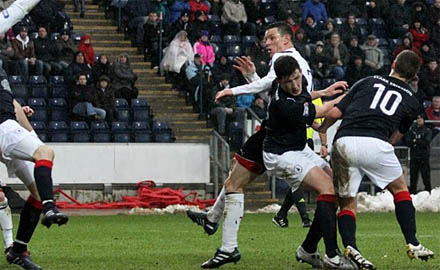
(173,242)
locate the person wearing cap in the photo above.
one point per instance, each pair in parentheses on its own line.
(198,74)
(373,54)
(66,48)
(6,52)
(200,23)
(24,54)
(301,44)
(204,48)
(177,9)
(354,48)
(311,30)
(182,24)
(319,62)
(357,70)
(233,16)
(197,5)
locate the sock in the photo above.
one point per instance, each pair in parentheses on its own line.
(326,212)
(29,217)
(234,203)
(347,228)
(300,204)
(289,200)
(216,212)
(406,216)
(43,179)
(313,237)
(6,223)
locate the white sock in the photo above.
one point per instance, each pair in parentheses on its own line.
(233,214)
(6,223)
(216,212)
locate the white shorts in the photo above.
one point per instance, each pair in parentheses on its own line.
(17,146)
(293,166)
(354,157)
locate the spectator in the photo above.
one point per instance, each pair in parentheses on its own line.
(76,67)
(221,67)
(255,13)
(217,7)
(245,101)
(316,9)
(24,55)
(47,51)
(182,24)
(435,37)
(430,80)
(204,48)
(152,38)
(124,79)
(137,11)
(419,33)
(197,5)
(338,54)
(434,12)
(83,100)
(198,75)
(79,5)
(354,49)
(327,31)
(105,96)
(225,107)
(341,8)
(356,70)
(433,113)
(311,30)
(375,8)
(102,67)
(50,15)
(301,44)
(198,25)
(6,53)
(373,55)
(350,28)
(418,139)
(419,13)
(260,57)
(319,62)
(233,17)
(427,52)
(85,46)
(259,107)
(407,44)
(289,8)
(291,21)
(176,55)
(66,49)
(399,19)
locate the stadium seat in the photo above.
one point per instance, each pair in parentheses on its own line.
(100,131)
(228,39)
(382,43)
(39,107)
(361,21)
(216,27)
(58,87)
(80,131)
(38,86)
(140,110)
(216,39)
(58,131)
(122,110)
(141,132)
(339,21)
(270,19)
(162,132)
(121,132)
(268,9)
(213,18)
(234,50)
(395,42)
(54,36)
(218,49)
(40,129)
(235,134)
(249,41)
(18,87)
(58,109)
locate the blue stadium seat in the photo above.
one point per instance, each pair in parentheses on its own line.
(270,19)
(141,132)
(216,27)
(231,39)
(382,43)
(216,39)
(395,42)
(58,87)
(80,131)
(140,109)
(100,131)
(55,80)
(40,129)
(18,87)
(58,131)
(361,21)
(235,134)
(38,86)
(121,132)
(213,18)
(339,21)
(39,107)
(376,23)
(58,109)
(234,50)
(249,41)
(162,132)
(122,110)
(268,9)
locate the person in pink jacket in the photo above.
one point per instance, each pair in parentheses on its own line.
(204,48)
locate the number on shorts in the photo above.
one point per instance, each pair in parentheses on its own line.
(384,104)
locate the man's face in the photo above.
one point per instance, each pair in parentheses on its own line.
(198,61)
(351,19)
(82,80)
(310,21)
(334,40)
(274,42)
(23,34)
(293,83)
(103,83)
(103,59)
(65,37)
(184,19)
(42,33)
(223,60)
(354,43)
(420,121)
(225,82)
(432,65)
(80,58)
(152,17)
(437,3)
(123,59)
(436,103)
(371,42)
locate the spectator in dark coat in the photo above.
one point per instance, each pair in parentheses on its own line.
(24,55)
(47,51)
(216,7)
(221,67)
(327,30)
(375,8)
(435,37)
(311,30)
(152,37)
(316,9)
(260,57)
(319,62)
(350,28)
(105,96)
(354,49)
(66,49)
(101,67)
(356,70)
(124,79)
(259,107)
(182,24)
(76,67)
(399,19)
(434,12)
(137,11)
(83,100)
(339,56)
(430,80)
(427,52)
(301,44)
(198,25)
(289,8)
(46,14)
(6,53)
(341,8)
(419,13)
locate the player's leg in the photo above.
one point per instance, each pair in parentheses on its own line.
(5,221)
(292,198)
(405,214)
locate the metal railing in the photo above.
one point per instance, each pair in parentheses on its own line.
(220,159)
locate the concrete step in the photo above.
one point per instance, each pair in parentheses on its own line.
(161,108)
(193,131)
(182,124)
(258,195)
(177,116)
(257,186)
(103,36)
(193,139)
(91,20)
(89,6)
(111,43)
(254,204)
(88,14)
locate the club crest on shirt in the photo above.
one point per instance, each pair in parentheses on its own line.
(5,14)
(306,109)
(5,85)
(298,168)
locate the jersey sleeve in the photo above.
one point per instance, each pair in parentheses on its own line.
(255,87)
(346,101)
(14,13)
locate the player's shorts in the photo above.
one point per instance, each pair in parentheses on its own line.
(17,146)
(354,157)
(250,154)
(293,166)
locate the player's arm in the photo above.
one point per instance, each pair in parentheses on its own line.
(14,13)
(330,118)
(324,147)
(21,116)
(245,65)
(332,90)
(321,111)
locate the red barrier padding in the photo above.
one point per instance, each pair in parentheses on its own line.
(148,196)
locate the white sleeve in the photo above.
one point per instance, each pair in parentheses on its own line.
(15,12)
(258,86)
(250,77)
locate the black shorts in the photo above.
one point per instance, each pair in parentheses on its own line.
(250,154)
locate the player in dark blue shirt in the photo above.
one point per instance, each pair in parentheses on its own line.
(375,113)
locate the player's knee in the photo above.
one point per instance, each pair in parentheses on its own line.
(2,197)
(232,185)
(44,152)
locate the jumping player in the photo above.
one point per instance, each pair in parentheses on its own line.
(375,113)
(248,162)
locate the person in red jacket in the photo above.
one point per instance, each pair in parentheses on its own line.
(419,33)
(86,47)
(197,5)
(433,113)
(407,44)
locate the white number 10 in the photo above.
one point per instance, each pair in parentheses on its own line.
(384,103)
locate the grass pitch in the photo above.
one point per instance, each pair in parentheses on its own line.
(174,242)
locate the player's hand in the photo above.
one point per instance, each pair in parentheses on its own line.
(28,111)
(323,152)
(224,93)
(245,65)
(336,88)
